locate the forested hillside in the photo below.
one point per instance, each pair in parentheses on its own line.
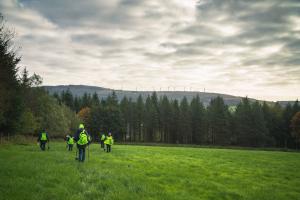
(163,120)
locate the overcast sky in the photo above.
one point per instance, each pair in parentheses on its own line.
(228,46)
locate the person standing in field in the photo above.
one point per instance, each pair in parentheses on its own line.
(109,141)
(70,143)
(67,139)
(102,139)
(82,139)
(43,139)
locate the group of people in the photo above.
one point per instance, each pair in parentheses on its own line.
(82,140)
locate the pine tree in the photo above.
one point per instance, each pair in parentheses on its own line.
(273,118)
(155,118)
(250,125)
(175,123)
(185,122)
(77,105)
(124,107)
(140,109)
(165,118)
(197,119)
(95,99)
(287,116)
(219,132)
(259,125)
(295,126)
(148,120)
(67,98)
(11,106)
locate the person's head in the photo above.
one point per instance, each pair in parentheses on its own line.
(81,126)
(109,133)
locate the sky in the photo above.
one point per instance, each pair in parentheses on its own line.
(244,48)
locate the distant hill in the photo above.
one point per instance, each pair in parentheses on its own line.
(79,90)
(285,103)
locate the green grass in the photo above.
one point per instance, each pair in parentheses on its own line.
(138,172)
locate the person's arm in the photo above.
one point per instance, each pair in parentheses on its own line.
(76,136)
(47,137)
(39,137)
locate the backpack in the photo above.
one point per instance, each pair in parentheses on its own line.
(83,138)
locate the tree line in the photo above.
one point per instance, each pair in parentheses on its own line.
(250,123)
(25,108)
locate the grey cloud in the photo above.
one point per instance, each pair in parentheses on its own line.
(96,39)
(166,42)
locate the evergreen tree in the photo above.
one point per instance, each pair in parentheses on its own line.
(219,132)
(295,126)
(273,119)
(288,113)
(250,124)
(155,118)
(57,97)
(95,99)
(124,107)
(166,117)
(86,100)
(198,120)
(140,109)
(175,123)
(67,99)
(77,105)
(11,106)
(259,125)
(185,122)
(148,120)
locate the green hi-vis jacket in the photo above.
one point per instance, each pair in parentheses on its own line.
(109,140)
(71,140)
(44,137)
(83,138)
(102,137)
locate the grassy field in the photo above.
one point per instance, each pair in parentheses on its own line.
(137,172)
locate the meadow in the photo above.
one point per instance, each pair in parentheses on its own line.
(147,172)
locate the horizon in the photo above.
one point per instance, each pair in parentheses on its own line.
(191,91)
(240,48)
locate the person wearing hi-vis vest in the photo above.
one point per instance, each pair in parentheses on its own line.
(43,139)
(82,139)
(70,143)
(102,139)
(109,141)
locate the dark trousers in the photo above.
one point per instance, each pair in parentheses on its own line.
(70,147)
(81,149)
(102,144)
(43,145)
(108,148)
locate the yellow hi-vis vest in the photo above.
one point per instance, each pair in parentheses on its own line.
(109,140)
(71,140)
(44,137)
(102,137)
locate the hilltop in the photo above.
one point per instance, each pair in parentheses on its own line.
(79,90)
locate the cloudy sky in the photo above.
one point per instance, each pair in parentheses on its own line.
(230,46)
